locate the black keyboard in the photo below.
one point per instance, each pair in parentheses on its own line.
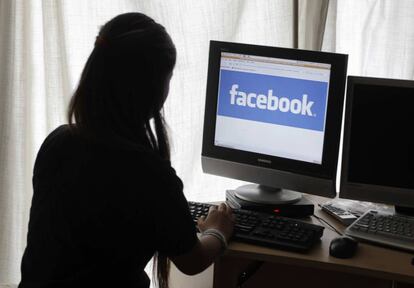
(266,229)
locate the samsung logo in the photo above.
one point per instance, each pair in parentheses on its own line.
(264,161)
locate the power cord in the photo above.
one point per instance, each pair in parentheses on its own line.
(323,221)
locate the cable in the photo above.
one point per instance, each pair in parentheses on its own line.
(323,221)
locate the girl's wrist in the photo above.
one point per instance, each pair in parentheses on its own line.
(218,235)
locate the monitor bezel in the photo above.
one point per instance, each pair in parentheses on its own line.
(363,191)
(326,170)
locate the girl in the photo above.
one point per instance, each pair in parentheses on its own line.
(106,199)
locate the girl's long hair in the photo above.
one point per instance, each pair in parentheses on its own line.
(122,90)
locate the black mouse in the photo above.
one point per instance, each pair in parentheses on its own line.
(343,247)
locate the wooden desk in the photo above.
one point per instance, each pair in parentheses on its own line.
(372,266)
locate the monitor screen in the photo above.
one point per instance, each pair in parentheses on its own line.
(273,116)
(381,143)
(272,106)
(378,147)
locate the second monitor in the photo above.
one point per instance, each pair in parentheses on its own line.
(273,117)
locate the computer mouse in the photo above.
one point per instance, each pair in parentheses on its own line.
(343,247)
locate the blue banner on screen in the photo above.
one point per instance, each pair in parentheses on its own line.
(273,99)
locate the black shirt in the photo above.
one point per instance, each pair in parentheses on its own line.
(99,212)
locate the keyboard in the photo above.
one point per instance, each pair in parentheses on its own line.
(266,229)
(385,229)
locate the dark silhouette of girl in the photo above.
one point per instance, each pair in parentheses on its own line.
(106,199)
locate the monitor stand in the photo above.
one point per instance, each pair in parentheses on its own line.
(267,195)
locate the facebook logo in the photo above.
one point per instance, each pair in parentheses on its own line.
(272,99)
(271,102)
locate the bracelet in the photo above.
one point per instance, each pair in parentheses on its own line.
(216,233)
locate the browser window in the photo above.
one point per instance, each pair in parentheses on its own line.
(272,106)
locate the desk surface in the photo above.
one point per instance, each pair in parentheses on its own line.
(370,260)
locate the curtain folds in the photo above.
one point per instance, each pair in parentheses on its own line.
(377,35)
(311,23)
(44,45)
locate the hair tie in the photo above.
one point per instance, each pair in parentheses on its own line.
(100,41)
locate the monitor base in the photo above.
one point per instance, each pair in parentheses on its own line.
(261,194)
(302,208)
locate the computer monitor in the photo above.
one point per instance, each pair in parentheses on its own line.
(378,149)
(273,117)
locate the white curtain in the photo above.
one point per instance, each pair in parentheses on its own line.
(44,45)
(378,35)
